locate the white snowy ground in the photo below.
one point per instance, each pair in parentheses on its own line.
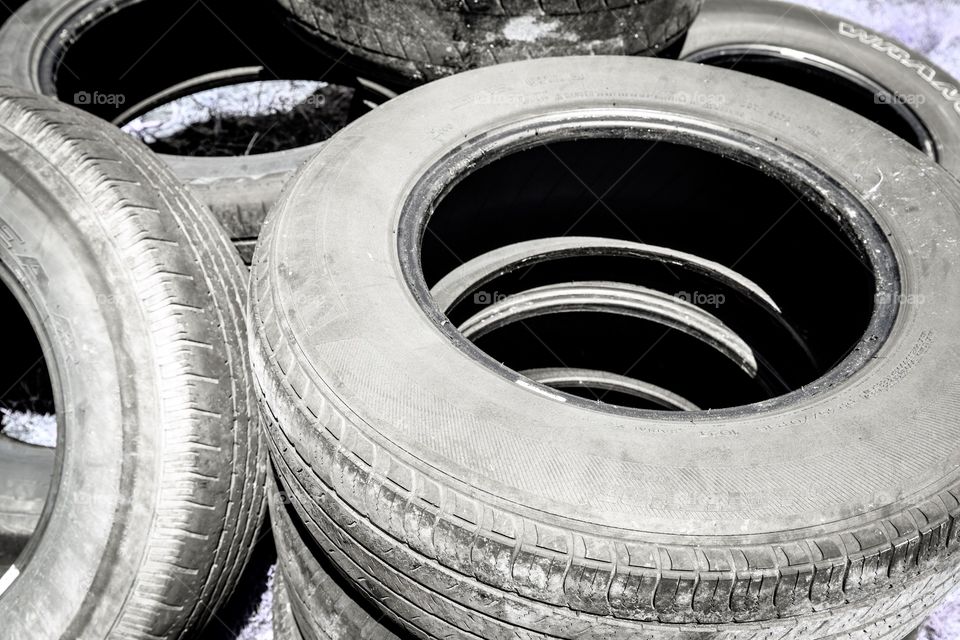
(929,26)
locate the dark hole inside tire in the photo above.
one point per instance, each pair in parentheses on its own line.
(26,408)
(119,60)
(668,195)
(841,87)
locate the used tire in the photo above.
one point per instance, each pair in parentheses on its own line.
(471,501)
(89,53)
(870,73)
(137,297)
(326,605)
(420,40)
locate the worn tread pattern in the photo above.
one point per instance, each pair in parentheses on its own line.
(494,573)
(181,265)
(429,615)
(329,607)
(423,41)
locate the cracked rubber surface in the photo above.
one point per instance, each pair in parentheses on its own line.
(468,506)
(421,40)
(138,297)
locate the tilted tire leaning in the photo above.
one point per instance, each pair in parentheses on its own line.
(867,72)
(137,297)
(473,501)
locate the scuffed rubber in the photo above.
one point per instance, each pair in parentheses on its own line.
(466,505)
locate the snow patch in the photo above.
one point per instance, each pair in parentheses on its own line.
(531,29)
(7,578)
(260,625)
(244,99)
(32,428)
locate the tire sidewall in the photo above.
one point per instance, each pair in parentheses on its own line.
(933,95)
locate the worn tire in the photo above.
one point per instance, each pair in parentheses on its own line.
(327,606)
(137,297)
(415,41)
(468,502)
(239,190)
(730,32)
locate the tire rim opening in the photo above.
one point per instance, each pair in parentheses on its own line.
(646,273)
(243,95)
(28,435)
(829,80)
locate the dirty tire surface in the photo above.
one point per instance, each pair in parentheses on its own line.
(421,40)
(326,604)
(466,518)
(139,296)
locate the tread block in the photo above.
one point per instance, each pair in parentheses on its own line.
(753,596)
(827,585)
(793,592)
(673,598)
(492,559)
(679,559)
(539,574)
(631,593)
(584,585)
(711,600)
(419,522)
(452,544)
(399,474)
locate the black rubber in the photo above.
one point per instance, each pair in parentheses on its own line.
(137,297)
(131,50)
(865,71)
(469,502)
(326,605)
(414,41)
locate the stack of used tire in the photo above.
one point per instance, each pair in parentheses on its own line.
(594,346)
